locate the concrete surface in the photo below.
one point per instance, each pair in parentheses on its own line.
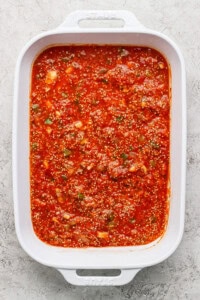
(179,276)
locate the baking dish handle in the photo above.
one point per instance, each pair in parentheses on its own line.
(129,19)
(124,277)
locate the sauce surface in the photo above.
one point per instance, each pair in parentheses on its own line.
(99,145)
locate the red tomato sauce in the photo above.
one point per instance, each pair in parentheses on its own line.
(99,145)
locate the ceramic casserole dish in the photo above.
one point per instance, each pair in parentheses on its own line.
(130,259)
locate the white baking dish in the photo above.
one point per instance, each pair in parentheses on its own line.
(128,259)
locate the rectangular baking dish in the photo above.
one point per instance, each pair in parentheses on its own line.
(128,259)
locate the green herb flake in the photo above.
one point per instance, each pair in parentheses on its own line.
(152,163)
(132,220)
(95,102)
(66,59)
(131,148)
(109,61)
(64,177)
(124,156)
(104,80)
(67,152)
(73,134)
(81,196)
(103,71)
(120,49)
(35,107)
(123,52)
(111,224)
(64,95)
(110,217)
(34,146)
(147,73)
(119,119)
(153,219)
(76,101)
(48,121)
(154,145)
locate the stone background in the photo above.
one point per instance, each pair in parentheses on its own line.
(21,278)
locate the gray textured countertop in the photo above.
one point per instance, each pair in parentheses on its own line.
(178,277)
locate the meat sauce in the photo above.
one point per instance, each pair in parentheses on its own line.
(99,145)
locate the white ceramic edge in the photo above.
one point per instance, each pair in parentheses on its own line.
(126,16)
(124,277)
(63,29)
